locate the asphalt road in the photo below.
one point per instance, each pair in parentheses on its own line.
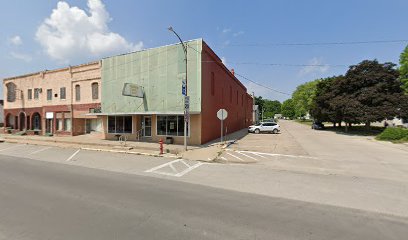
(42,200)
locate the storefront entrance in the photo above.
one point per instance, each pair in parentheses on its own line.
(146,126)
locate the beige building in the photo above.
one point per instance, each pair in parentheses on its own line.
(54,102)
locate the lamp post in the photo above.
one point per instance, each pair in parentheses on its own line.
(186,106)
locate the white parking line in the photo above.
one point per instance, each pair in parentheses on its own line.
(256,154)
(4,149)
(189,169)
(40,150)
(175,174)
(277,154)
(234,156)
(161,166)
(248,156)
(73,155)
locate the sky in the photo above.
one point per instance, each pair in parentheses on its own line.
(270,42)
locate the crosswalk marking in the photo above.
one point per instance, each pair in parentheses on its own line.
(247,156)
(235,156)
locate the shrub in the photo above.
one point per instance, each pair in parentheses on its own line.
(393,134)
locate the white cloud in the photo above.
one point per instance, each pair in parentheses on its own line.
(238,33)
(21,56)
(226,30)
(71,32)
(16,40)
(315,65)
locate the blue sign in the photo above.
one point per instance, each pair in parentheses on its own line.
(184,88)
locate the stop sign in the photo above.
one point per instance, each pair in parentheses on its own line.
(222,114)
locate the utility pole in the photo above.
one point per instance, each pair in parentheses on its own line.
(186,97)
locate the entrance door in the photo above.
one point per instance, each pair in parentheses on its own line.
(48,126)
(147,126)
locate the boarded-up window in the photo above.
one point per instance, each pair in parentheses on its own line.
(11,92)
(77,93)
(212,84)
(63,93)
(95,90)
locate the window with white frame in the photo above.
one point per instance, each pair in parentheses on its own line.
(170,125)
(120,124)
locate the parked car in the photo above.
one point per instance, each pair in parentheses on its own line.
(271,127)
(317,126)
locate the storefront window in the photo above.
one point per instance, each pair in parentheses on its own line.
(59,124)
(172,125)
(120,124)
(67,124)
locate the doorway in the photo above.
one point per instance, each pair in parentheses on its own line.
(22,126)
(147,126)
(49,126)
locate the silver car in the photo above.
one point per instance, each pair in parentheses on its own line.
(271,127)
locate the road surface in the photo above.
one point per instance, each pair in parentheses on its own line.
(43,200)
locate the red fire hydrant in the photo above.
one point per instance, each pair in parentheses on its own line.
(161,146)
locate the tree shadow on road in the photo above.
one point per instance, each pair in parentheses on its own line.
(356,130)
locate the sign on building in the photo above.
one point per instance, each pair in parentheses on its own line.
(133,90)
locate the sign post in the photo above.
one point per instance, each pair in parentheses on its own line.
(222,114)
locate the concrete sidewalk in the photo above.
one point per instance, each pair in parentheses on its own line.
(207,152)
(91,142)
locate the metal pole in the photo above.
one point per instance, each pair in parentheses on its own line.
(222,128)
(185,109)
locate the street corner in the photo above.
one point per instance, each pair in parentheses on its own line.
(203,154)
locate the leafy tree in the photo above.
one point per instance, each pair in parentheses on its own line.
(303,98)
(404,69)
(323,108)
(371,91)
(271,108)
(288,109)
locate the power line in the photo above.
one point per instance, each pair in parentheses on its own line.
(274,90)
(282,64)
(317,43)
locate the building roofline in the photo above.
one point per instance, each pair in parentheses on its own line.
(152,48)
(52,70)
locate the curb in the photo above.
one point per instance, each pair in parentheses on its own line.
(55,144)
(129,152)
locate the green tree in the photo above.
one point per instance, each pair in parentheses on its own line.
(369,92)
(288,109)
(271,108)
(404,69)
(323,107)
(303,98)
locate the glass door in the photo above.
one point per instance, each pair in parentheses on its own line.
(147,126)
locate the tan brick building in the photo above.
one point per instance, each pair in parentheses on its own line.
(54,102)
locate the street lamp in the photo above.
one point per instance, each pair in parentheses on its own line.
(186,106)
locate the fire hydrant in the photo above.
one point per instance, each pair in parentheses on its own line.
(161,146)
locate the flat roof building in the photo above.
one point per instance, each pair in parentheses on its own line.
(159,114)
(156,75)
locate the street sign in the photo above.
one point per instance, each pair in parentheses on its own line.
(222,114)
(184,87)
(186,102)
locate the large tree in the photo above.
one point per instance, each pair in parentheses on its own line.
(404,69)
(288,109)
(303,98)
(369,92)
(271,108)
(324,109)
